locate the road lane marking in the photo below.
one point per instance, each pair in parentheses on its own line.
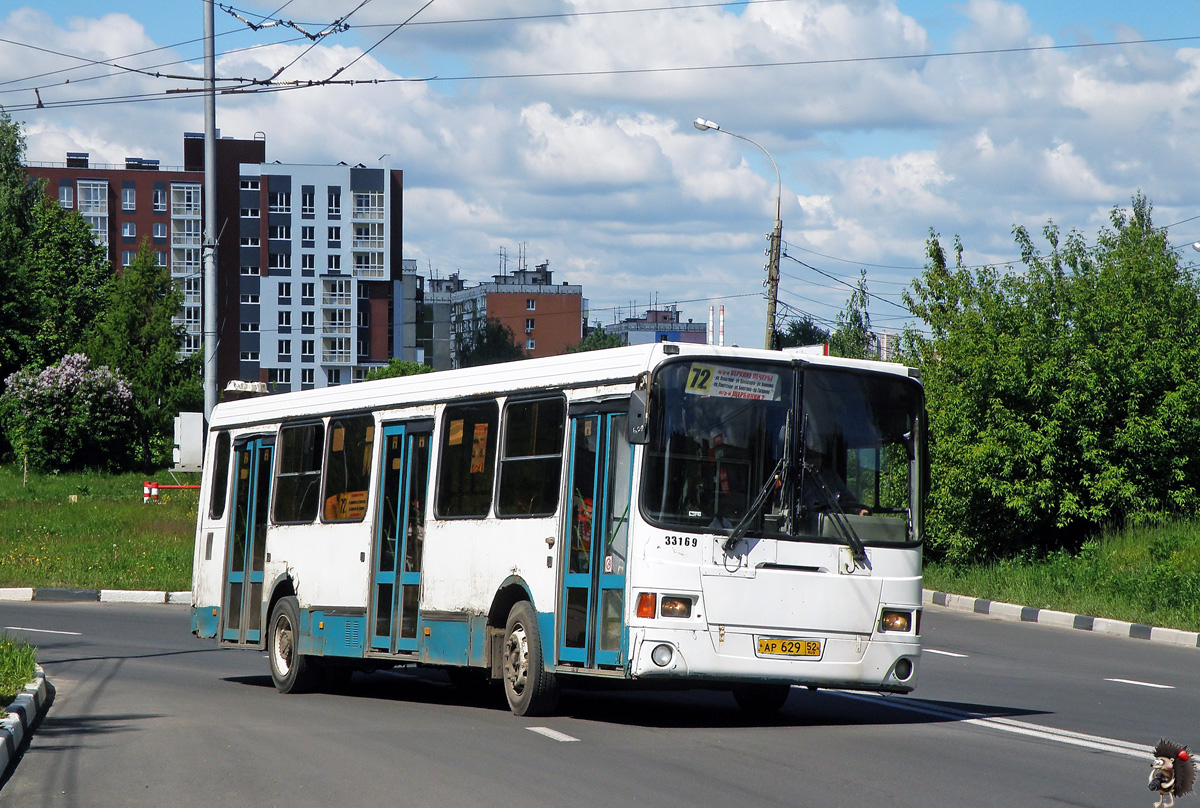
(553,734)
(43,631)
(1141,684)
(943,653)
(1093,742)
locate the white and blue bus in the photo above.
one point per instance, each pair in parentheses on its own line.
(666,514)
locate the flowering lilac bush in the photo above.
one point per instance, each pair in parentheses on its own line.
(69,416)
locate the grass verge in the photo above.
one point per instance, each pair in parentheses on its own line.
(104,539)
(16,668)
(1147,575)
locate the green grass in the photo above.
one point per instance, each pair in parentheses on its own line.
(107,539)
(1147,575)
(16,668)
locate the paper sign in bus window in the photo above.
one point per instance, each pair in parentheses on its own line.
(479,448)
(726,382)
(456,433)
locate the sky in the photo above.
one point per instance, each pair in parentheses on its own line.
(561,130)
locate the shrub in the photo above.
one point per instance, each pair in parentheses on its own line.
(69,416)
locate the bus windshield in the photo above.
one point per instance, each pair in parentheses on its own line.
(811,449)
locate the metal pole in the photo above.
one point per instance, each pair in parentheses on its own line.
(210,214)
(772,282)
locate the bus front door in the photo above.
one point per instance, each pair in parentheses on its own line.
(396,574)
(242,604)
(591,607)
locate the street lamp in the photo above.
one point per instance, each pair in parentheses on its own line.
(776,235)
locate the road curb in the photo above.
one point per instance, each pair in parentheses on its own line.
(24,711)
(1032,614)
(49,594)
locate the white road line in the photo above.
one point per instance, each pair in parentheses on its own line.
(1094,742)
(43,631)
(1141,684)
(943,653)
(553,734)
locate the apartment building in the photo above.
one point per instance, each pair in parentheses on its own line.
(310,287)
(659,325)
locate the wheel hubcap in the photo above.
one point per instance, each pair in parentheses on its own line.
(516,660)
(283,646)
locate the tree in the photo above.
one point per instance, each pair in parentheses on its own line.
(135,334)
(396,368)
(486,344)
(597,340)
(800,332)
(1062,398)
(852,337)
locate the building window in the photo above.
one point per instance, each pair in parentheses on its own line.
(285,319)
(285,350)
(306,377)
(334,377)
(160,229)
(285,293)
(160,258)
(307,292)
(249,356)
(251,300)
(128,230)
(250,213)
(335,236)
(308,233)
(279,232)
(160,200)
(528,324)
(307,261)
(308,204)
(279,201)
(279,376)
(530,345)
(127,257)
(66,196)
(279,261)
(249,185)
(368,204)
(246,269)
(364,321)
(530,304)
(335,201)
(307,349)
(250,241)
(249,328)
(128,199)
(335,262)
(306,319)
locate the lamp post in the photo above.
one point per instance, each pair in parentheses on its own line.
(772,283)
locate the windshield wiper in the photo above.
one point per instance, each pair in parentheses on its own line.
(857,548)
(777,477)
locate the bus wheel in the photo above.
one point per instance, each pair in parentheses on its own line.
(761,701)
(291,671)
(529,687)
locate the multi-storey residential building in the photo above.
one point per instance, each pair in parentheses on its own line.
(545,319)
(435,338)
(309,281)
(659,325)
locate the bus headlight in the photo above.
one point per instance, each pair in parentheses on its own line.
(662,655)
(895,620)
(675,607)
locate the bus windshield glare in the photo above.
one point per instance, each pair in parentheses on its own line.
(809,448)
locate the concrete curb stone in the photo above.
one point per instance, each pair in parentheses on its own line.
(25,594)
(1030,614)
(25,709)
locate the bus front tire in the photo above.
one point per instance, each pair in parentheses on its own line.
(761,701)
(291,671)
(529,687)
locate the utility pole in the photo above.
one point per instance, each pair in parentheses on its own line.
(209,249)
(773,274)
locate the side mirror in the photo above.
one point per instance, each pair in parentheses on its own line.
(638,426)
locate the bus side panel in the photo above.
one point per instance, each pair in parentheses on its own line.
(208,558)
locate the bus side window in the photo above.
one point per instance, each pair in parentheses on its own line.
(348,468)
(531,464)
(297,483)
(220,477)
(468,459)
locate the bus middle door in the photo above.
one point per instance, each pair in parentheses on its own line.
(591,603)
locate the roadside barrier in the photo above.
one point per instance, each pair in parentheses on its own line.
(150,490)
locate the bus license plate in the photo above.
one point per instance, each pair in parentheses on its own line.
(770,646)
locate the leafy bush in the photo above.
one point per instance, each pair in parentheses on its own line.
(69,416)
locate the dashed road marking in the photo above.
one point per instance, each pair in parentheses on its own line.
(44,631)
(1141,684)
(553,734)
(943,653)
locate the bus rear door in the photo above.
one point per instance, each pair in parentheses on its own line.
(241,605)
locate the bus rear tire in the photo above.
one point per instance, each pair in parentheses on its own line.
(291,671)
(761,701)
(528,686)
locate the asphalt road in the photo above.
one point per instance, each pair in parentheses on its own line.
(1005,714)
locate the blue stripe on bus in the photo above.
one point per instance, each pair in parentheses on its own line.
(205,620)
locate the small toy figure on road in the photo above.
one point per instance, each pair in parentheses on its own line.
(1172,773)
